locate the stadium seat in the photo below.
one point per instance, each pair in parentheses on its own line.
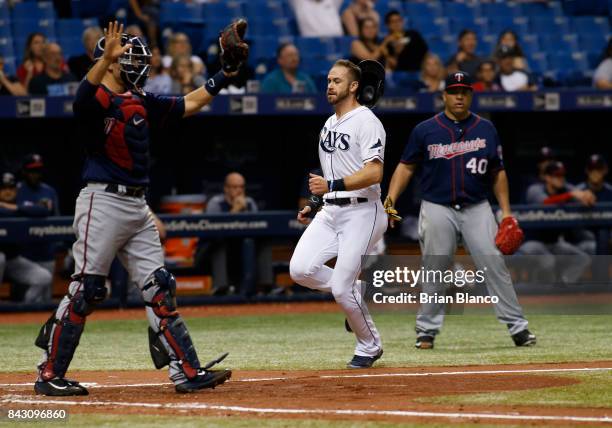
(505,9)
(555,42)
(343,44)
(263,47)
(34,11)
(591,25)
(440,48)
(548,25)
(592,42)
(266,8)
(315,47)
(593,60)
(498,24)
(192,13)
(530,44)
(4,11)
(5,28)
(10,65)
(71,46)
(6,46)
(417,11)
(561,61)
(456,24)
(24,27)
(223,10)
(458,10)
(536,9)
(539,62)
(70,27)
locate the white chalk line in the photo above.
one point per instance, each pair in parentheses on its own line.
(347,376)
(240,409)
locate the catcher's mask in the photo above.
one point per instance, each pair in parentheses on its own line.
(134,64)
(372,82)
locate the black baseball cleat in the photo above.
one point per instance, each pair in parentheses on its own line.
(359,362)
(524,338)
(205,379)
(59,387)
(424,342)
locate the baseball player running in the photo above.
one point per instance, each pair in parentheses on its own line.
(460,156)
(352,220)
(112,216)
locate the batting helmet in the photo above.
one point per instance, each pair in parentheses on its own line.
(134,64)
(372,82)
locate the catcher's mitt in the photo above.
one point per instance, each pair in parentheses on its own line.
(234,50)
(509,236)
(390,210)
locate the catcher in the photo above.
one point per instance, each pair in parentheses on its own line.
(460,156)
(112,217)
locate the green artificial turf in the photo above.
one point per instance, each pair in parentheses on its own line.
(318,341)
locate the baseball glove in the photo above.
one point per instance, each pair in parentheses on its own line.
(390,209)
(234,50)
(509,236)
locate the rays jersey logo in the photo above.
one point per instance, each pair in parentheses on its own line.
(332,140)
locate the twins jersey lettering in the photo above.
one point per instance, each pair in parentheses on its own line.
(347,143)
(457,158)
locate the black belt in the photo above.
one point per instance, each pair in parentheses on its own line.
(345,201)
(119,189)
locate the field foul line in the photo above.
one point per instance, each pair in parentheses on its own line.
(240,409)
(267,379)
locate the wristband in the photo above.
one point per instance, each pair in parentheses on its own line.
(336,185)
(216,83)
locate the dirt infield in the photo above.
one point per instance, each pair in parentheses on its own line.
(376,394)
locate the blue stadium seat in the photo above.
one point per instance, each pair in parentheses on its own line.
(5,28)
(548,25)
(489,10)
(191,13)
(71,46)
(279,27)
(497,24)
(421,10)
(223,10)
(4,10)
(10,65)
(530,44)
(459,10)
(592,42)
(315,47)
(432,27)
(6,47)
(441,48)
(31,11)
(384,6)
(539,62)
(71,27)
(593,59)
(457,24)
(315,66)
(562,61)
(262,8)
(555,42)
(24,27)
(263,48)
(343,44)
(591,25)
(536,9)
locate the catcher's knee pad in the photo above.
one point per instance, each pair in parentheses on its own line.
(92,292)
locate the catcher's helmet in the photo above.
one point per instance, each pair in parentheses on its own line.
(372,82)
(135,64)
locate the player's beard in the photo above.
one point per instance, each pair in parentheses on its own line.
(338,97)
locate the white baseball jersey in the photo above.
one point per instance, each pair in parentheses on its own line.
(346,144)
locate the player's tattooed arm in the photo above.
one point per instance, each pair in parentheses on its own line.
(112,51)
(502,192)
(371,173)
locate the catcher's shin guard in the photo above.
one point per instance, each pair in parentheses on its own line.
(168,336)
(59,337)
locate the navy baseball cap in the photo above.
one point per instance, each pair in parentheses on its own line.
(460,79)
(33,161)
(596,161)
(505,51)
(7,179)
(554,168)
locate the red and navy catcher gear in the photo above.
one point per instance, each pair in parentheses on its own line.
(372,82)
(134,64)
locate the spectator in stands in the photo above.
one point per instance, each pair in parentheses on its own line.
(486,76)
(318,18)
(159,82)
(356,12)
(178,45)
(407,48)
(287,78)
(596,171)
(54,81)
(602,79)
(509,78)
(368,45)
(433,74)
(465,59)
(510,39)
(10,85)
(146,13)
(79,65)
(184,80)
(33,63)
(31,282)
(548,242)
(234,200)
(40,200)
